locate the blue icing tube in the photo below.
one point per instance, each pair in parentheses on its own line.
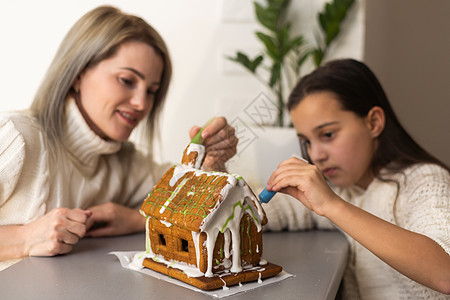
(266,195)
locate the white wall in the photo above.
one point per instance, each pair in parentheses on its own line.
(199,33)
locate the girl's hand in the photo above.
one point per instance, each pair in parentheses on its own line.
(110,219)
(304,182)
(56,232)
(220,142)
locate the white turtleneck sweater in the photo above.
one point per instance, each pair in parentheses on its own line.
(422,206)
(95,171)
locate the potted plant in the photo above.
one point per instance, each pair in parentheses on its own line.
(279,65)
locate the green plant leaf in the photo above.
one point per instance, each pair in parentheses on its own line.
(267,17)
(295,43)
(256,62)
(249,64)
(283,39)
(287,53)
(318,55)
(331,18)
(275,74)
(271,16)
(271,46)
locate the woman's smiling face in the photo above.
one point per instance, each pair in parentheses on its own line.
(339,142)
(118,92)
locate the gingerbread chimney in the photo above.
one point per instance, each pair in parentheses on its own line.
(193,156)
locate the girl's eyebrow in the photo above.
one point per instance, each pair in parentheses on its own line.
(299,135)
(325,125)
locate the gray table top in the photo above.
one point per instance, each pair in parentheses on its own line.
(316,258)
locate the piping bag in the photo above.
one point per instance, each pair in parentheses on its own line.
(265,196)
(198,137)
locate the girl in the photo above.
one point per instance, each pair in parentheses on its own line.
(65,164)
(390,197)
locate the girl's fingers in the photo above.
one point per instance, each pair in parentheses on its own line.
(291,166)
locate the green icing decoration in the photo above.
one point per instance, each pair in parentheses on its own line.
(247,208)
(238,177)
(189,206)
(202,187)
(221,249)
(175,193)
(249,237)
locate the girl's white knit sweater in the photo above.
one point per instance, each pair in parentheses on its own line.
(95,171)
(422,205)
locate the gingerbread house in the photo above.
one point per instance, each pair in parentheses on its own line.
(204,228)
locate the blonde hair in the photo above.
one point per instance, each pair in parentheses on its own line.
(93,38)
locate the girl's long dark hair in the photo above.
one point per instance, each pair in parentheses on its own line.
(358,90)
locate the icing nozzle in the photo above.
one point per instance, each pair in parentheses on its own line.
(265,196)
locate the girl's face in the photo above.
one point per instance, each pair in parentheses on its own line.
(339,142)
(117,93)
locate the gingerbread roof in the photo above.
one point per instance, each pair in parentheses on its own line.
(188,201)
(188,197)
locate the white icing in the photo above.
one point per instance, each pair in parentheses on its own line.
(200,149)
(188,269)
(231,183)
(235,202)
(224,287)
(196,239)
(262,262)
(168,224)
(210,243)
(148,244)
(178,172)
(227,263)
(253,201)
(136,263)
(174,194)
(226,244)
(259,278)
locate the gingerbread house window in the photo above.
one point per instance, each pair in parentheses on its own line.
(162,239)
(184,245)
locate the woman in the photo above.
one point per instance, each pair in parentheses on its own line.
(65,165)
(390,197)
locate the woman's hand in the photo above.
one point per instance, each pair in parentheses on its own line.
(113,219)
(220,142)
(304,182)
(56,232)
